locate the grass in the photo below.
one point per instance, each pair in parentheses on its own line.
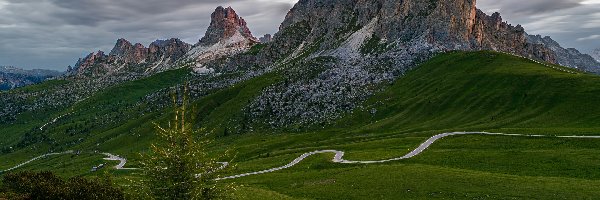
(415,181)
(484,90)
(83,122)
(459,91)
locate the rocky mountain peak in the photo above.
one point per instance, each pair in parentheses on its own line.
(90,59)
(225,23)
(419,25)
(227,35)
(596,54)
(167,50)
(125,52)
(121,47)
(266,38)
(569,57)
(126,57)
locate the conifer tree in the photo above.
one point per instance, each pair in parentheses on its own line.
(178,165)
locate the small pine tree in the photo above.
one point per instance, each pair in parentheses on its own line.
(178,166)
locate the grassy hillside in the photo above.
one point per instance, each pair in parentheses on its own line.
(476,91)
(85,124)
(480,91)
(460,91)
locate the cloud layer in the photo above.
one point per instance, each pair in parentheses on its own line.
(54,33)
(573,23)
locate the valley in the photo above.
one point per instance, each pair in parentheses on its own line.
(398,130)
(373,99)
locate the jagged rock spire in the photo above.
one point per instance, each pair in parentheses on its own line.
(225,23)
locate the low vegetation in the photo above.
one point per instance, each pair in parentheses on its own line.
(46,185)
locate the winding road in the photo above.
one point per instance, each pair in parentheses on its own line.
(122,161)
(337,158)
(34,159)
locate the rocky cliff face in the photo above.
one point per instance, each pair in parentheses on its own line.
(437,25)
(125,52)
(94,64)
(266,38)
(227,35)
(567,57)
(159,56)
(596,54)
(491,33)
(225,23)
(163,53)
(354,46)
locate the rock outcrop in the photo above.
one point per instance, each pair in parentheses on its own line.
(336,53)
(439,25)
(266,38)
(125,52)
(94,64)
(227,35)
(596,54)
(225,23)
(162,53)
(159,56)
(569,57)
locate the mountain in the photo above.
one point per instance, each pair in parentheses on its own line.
(596,54)
(374,78)
(225,23)
(161,55)
(569,57)
(266,38)
(332,54)
(405,27)
(227,35)
(12,77)
(125,52)
(335,54)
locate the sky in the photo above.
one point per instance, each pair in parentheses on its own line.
(52,34)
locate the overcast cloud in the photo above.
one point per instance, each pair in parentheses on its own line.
(54,33)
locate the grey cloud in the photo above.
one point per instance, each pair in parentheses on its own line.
(54,33)
(528,7)
(564,20)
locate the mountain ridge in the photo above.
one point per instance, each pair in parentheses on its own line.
(228,34)
(13,77)
(369,77)
(596,54)
(569,57)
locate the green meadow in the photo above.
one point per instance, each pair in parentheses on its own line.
(457,91)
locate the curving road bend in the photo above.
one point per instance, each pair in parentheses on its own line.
(338,157)
(122,161)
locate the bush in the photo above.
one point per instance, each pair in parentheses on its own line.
(46,185)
